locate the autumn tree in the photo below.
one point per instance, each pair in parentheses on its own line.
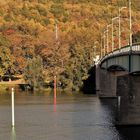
(6,58)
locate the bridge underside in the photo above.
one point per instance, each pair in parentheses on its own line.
(114,68)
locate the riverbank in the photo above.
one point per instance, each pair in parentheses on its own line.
(4,89)
(6,85)
(20,84)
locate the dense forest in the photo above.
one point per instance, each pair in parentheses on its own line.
(43,38)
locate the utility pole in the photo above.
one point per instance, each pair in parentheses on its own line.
(104,43)
(112,49)
(107,44)
(119,29)
(130,23)
(120,9)
(130,38)
(113,19)
(108,37)
(101,48)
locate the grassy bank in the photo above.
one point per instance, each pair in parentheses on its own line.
(4,88)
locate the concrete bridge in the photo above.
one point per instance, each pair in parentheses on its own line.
(118,75)
(123,59)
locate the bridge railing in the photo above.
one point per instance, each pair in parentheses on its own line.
(135,48)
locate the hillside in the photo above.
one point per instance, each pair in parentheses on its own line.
(28,28)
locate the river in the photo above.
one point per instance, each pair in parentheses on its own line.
(72,116)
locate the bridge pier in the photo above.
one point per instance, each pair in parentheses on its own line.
(107,82)
(97,78)
(128,89)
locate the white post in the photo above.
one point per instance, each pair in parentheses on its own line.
(13,109)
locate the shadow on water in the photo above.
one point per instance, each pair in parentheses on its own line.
(129,132)
(89,85)
(13,134)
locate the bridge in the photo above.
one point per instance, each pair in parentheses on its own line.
(118,76)
(118,70)
(124,59)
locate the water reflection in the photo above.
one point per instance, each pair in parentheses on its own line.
(77,117)
(54,103)
(13,134)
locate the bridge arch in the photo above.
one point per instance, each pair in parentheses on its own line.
(116,67)
(124,61)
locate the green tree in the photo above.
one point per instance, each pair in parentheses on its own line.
(42,10)
(77,68)
(58,10)
(33,74)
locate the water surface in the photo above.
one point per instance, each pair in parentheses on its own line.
(72,116)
